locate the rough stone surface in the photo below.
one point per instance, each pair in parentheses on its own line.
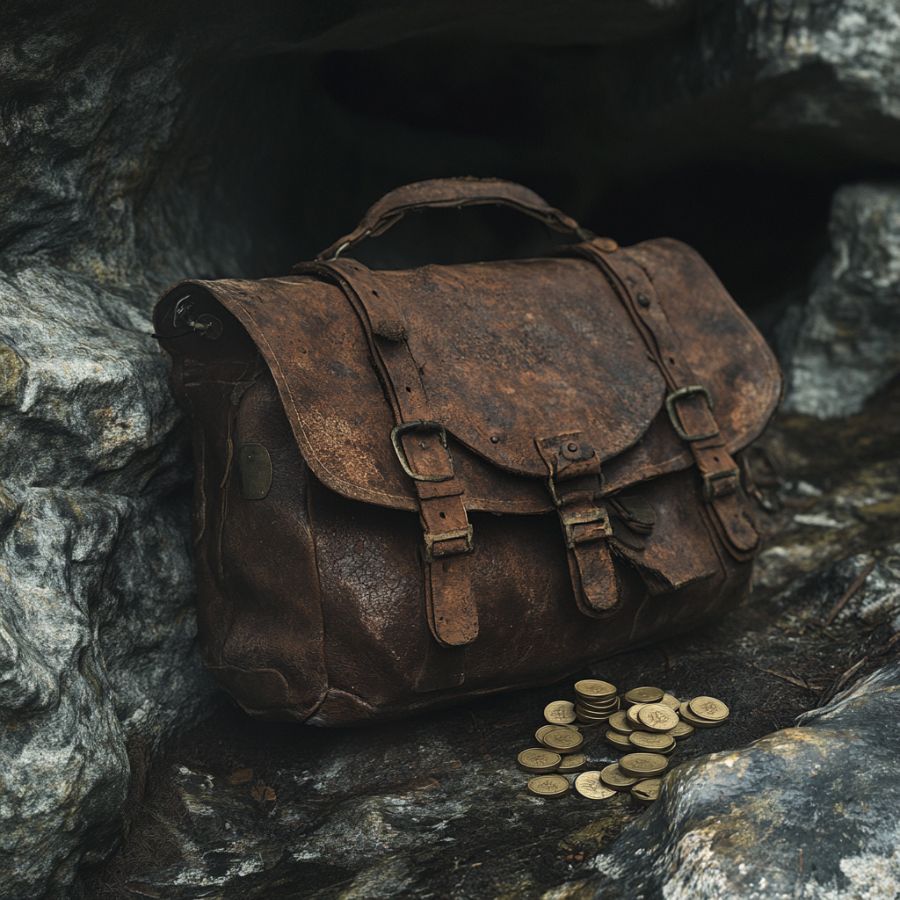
(846,347)
(436,806)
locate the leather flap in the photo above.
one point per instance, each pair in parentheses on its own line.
(508,351)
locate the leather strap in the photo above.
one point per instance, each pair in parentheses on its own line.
(689,405)
(575,483)
(452,193)
(421,447)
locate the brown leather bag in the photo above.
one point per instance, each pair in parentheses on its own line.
(414,487)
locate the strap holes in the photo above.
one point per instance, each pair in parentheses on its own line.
(672,360)
(408,389)
(374,292)
(715,459)
(443,515)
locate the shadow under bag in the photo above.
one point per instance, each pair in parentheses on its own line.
(414,487)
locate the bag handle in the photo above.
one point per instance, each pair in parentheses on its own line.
(453,193)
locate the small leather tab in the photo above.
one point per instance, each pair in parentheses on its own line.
(255,467)
(452,613)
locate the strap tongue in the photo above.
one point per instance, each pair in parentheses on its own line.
(575,482)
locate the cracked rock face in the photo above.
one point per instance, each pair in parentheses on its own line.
(846,347)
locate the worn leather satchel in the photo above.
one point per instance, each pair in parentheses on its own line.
(415,487)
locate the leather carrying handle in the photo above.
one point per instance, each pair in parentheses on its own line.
(453,193)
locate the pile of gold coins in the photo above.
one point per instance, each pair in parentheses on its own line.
(645,724)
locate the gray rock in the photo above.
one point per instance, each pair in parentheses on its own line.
(847,345)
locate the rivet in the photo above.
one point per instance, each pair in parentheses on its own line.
(495,439)
(644,300)
(571,446)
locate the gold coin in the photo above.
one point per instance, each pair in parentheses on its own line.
(549,786)
(593,689)
(660,743)
(619,722)
(561,737)
(671,701)
(589,785)
(644,695)
(587,716)
(682,730)
(647,791)
(537,760)
(696,721)
(612,776)
(643,765)
(571,763)
(606,709)
(657,717)
(619,740)
(539,734)
(560,712)
(631,715)
(709,708)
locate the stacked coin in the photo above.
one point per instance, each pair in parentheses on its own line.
(645,724)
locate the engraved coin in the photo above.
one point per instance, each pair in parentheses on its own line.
(709,708)
(586,716)
(620,741)
(631,715)
(682,730)
(561,737)
(647,791)
(697,721)
(539,734)
(619,722)
(657,717)
(537,760)
(560,712)
(643,765)
(549,786)
(612,776)
(644,695)
(593,689)
(572,763)
(671,701)
(659,743)
(589,785)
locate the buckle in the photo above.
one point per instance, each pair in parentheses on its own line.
(671,409)
(710,480)
(443,536)
(420,425)
(595,515)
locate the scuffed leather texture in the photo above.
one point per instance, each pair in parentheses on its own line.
(319,600)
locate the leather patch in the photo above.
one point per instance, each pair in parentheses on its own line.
(255,467)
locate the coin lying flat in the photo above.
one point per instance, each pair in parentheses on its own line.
(709,708)
(657,717)
(682,730)
(536,759)
(589,785)
(562,738)
(549,786)
(647,791)
(560,712)
(571,763)
(671,701)
(644,695)
(619,741)
(613,777)
(643,765)
(619,722)
(697,721)
(594,689)
(658,743)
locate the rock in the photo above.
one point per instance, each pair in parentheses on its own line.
(97,654)
(846,347)
(806,811)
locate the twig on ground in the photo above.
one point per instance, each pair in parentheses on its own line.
(855,585)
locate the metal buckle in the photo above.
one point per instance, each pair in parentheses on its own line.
(712,477)
(680,394)
(595,514)
(432,539)
(420,425)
